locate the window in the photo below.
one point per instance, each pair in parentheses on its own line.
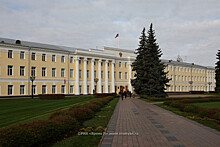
(108,88)
(63,89)
(102,88)
(101,63)
(94,62)
(186,78)
(53,72)
(108,74)
(22,70)
(43,57)
(102,75)
(43,71)
(94,73)
(80,74)
(120,76)
(71,88)
(119,64)
(53,58)
(62,72)
(80,89)
(44,89)
(87,88)
(126,75)
(125,64)
(114,65)
(33,56)
(79,61)
(62,59)
(175,78)
(71,59)
(87,62)
(10,70)
(21,89)
(178,78)
(34,89)
(87,73)
(71,73)
(182,78)
(10,89)
(114,74)
(33,73)
(22,55)
(108,64)
(53,89)
(9,53)
(198,78)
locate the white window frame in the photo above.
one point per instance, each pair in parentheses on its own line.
(43,57)
(23,90)
(22,54)
(62,72)
(11,89)
(88,90)
(71,73)
(71,89)
(87,73)
(71,59)
(54,89)
(126,75)
(33,70)
(44,90)
(22,70)
(53,72)
(44,71)
(53,58)
(63,89)
(62,59)
(120,75)
(10,53)
(33,56)
(80,73)
(10,70)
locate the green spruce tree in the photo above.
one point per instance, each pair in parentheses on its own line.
(217,72)
(150,78)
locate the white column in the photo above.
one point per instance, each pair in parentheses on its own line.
(130,86)
(92,75)
(99,76)
(85,76)
(106,76)
(77,76)
(113,78)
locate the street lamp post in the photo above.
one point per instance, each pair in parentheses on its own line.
(209,85)
(32,78)
(190,82)
(96,80)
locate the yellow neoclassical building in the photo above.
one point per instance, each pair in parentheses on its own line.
(69,70)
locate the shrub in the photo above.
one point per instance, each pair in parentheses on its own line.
(167,103)
(190,108)
(217,116)
(37,133)
(175,104)
(81,114)
(203,112)
(51,96)
(212,112)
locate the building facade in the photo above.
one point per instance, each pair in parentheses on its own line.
(59,69)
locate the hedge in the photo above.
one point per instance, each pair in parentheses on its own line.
(43,132)
(51,96)
(186,106)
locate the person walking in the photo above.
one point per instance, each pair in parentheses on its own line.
(121,92)
(133,95)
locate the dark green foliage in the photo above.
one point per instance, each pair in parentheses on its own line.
(37,133)
(150,78)
(217,72)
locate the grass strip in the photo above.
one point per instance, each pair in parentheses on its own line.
(100,120)
(205,121)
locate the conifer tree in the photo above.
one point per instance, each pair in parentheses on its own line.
(150,79)
(217,72)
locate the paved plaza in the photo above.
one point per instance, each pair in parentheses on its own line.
(136,123)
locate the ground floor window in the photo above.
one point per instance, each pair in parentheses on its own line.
(10,89)
(44,89)
(71,88)
(53,89)
(63,89)
(22,89)
(108,88)
(102,88)
(87,88)
(80,89)
(34,89)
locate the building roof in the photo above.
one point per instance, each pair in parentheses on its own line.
(37,45)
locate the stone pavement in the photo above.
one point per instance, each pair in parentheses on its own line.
(136,123)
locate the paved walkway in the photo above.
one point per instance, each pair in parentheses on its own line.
(136,123)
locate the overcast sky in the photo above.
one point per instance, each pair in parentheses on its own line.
(190,28)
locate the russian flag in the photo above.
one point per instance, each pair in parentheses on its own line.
(117,36)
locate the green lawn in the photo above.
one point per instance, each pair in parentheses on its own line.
(100,120)
(19,111)
(208,105)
